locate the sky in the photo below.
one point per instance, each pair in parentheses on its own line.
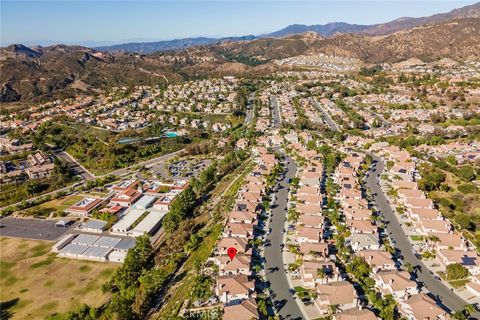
(93,23)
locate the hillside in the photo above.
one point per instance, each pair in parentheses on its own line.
(176,44)
(472,11)
(60,70)
(38,73)
(35,74)
(404,23)
(327,30)
(456,39)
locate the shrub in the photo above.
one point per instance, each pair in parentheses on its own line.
(466,172)
(456,271)
(467,188)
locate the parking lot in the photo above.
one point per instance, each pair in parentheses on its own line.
(31,229)
(180,169)
(188,168)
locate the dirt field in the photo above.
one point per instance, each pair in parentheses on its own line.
(34,283)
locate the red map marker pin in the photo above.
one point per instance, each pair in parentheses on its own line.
(231,252)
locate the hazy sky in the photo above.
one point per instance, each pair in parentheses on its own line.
(88,22)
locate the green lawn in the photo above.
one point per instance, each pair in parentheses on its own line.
(458,283)
(416,238)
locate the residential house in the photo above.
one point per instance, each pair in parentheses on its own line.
(355,314)
(378,260)
(240,264)
(395,282)
(245,310)
(234,289)
(421,306)
(342,294)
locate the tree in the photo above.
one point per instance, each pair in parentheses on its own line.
(33,187)
(464,313)
(84,312)
(431,179)
(151,282)
(257,268)
(465,221)
(138,259)
(315,254)
(456,271)
(359,268)
(181,207)
(321,274)
(333,308)
(262,306)
(408,266)
(432,240)
(202,287)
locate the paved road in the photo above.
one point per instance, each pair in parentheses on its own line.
(121,172)
(51,193)
(250,110)
(87,175)
(277,119)
(31,229)
(274,264)
(148,164)
(330,123)
(78,169)
(445,297)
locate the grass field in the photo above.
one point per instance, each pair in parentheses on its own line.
(52,206)
(35,284)
(62,203)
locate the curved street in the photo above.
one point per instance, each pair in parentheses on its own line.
(328,120)
(443,295)
(285,304)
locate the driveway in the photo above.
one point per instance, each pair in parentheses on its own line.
(438,290)
(274,265)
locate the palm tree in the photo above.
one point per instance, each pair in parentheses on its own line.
(262,306)
(257,242)
(321,274)
(408,266)
(435,240)
(465,312)
(257,268)
(333,308)
(431,241)
(315,254)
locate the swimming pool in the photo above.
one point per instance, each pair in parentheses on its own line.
(171,134)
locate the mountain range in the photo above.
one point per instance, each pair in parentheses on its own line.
(329,29)
(38,73)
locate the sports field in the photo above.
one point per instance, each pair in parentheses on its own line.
(35,283)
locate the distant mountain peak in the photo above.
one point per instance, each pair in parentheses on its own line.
(21,50)
(328,29)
